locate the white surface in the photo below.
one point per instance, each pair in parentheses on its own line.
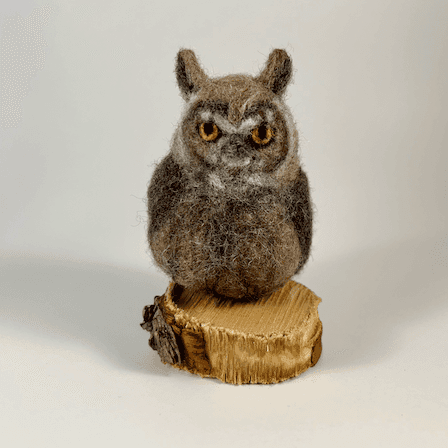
(369,94)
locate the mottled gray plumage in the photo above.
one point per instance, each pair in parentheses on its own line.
(229,206)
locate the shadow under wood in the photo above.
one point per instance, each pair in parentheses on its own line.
(95,304)
(373,300)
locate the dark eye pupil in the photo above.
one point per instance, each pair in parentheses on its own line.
(208,128)
(262,132)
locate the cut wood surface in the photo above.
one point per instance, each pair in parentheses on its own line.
(267,341)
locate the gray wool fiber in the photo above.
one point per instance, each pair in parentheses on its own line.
(229,206)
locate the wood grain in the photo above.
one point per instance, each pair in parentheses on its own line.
(266,341)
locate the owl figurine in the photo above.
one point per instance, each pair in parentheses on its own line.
(229,207)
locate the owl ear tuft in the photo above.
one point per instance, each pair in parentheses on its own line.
(189,73)
(277,72)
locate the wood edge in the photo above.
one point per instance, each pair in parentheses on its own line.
(189,336)
(316,351)
(275,380)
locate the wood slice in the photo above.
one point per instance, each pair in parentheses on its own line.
(267,341)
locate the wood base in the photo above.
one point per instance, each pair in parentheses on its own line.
(267,341)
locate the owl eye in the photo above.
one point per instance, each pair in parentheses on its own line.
(262,135)
(208,131)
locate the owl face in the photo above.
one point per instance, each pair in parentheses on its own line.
(234,125)
(236,128)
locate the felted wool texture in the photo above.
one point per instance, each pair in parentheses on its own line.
(231,216)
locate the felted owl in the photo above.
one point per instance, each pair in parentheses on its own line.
(229,207)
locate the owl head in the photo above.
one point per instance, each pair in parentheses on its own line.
(236,129)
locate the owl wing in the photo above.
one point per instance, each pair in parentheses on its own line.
(300,210)
(165,191)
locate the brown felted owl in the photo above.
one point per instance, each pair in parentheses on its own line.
(229,206)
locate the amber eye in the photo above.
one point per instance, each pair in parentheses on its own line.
(262,135)
(208,131)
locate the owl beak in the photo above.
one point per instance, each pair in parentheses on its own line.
(235,154)
(236,147)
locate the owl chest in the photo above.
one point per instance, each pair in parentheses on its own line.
(231,243)
(224,226)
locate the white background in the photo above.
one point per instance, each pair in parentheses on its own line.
(89,104)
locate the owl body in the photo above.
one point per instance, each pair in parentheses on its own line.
(229,206)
